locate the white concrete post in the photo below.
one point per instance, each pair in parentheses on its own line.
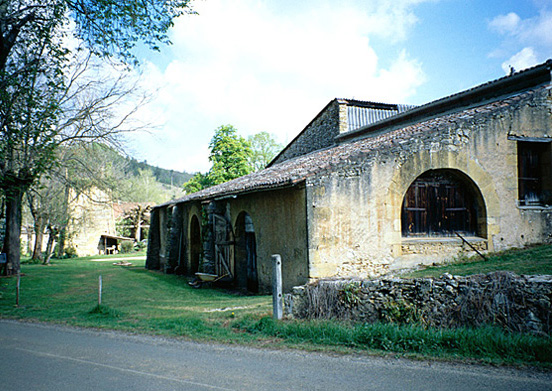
(100,291)
(277,297)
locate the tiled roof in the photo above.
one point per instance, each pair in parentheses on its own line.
(297,170)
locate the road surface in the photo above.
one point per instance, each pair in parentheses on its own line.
(43,357)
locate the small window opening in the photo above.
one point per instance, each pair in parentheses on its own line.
(534,173)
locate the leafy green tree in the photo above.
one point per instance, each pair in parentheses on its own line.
(41,105)
(230,157)
(144,187)
(198,182)
(264,148)
(133,221)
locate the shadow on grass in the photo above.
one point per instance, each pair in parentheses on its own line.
(104,311)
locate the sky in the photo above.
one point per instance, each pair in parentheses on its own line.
(272,65)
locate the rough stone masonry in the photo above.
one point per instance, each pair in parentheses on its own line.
(516,303)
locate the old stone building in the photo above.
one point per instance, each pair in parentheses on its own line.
(367,188)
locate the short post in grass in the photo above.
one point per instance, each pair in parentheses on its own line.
(277,298)
(100,291)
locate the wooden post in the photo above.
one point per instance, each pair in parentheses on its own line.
(277,298)
(17,290)
(473,248)
(100,291)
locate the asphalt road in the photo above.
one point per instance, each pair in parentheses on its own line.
(42,357)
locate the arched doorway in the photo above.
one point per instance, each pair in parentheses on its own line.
(443,203)
(195,245)
(245,254)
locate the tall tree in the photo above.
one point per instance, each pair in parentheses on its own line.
(230,155)
(264,148)
(144,187)
(36,93)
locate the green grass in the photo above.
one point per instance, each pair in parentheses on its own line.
(141,301)
(533,260)
(487,344)
(133,299)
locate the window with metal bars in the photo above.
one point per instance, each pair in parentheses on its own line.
(534,173)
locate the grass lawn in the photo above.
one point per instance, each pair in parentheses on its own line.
(141,301)
(533,260)
(133,299)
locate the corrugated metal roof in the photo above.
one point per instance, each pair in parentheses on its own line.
(359,116)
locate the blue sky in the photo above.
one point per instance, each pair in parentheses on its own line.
(263,65)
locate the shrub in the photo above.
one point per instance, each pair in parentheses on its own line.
(138,246)
(127,247)
(71,252)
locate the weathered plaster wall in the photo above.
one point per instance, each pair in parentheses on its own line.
(355,208)
(279,223)
(280,228)
(319,134)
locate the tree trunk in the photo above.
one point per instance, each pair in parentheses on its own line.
(12,241)
(52,232)
(39,235)
(29,247)
(61,243)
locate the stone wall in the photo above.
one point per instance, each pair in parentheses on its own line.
(279,227)
(428,246)
(354,205)
(517,303)
(319,134)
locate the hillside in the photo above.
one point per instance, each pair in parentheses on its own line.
(168,177)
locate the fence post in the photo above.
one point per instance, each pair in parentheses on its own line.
(277,298)
(100,291)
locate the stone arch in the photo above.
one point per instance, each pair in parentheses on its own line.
(443,202)
(196,246)
(245,254)
(405,173)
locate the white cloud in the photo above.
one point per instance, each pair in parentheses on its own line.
(526,41)
(262,67)
(505,24)
(525,58)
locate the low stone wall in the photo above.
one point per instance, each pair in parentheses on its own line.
(517,303)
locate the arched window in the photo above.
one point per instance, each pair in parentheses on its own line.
(441,203)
